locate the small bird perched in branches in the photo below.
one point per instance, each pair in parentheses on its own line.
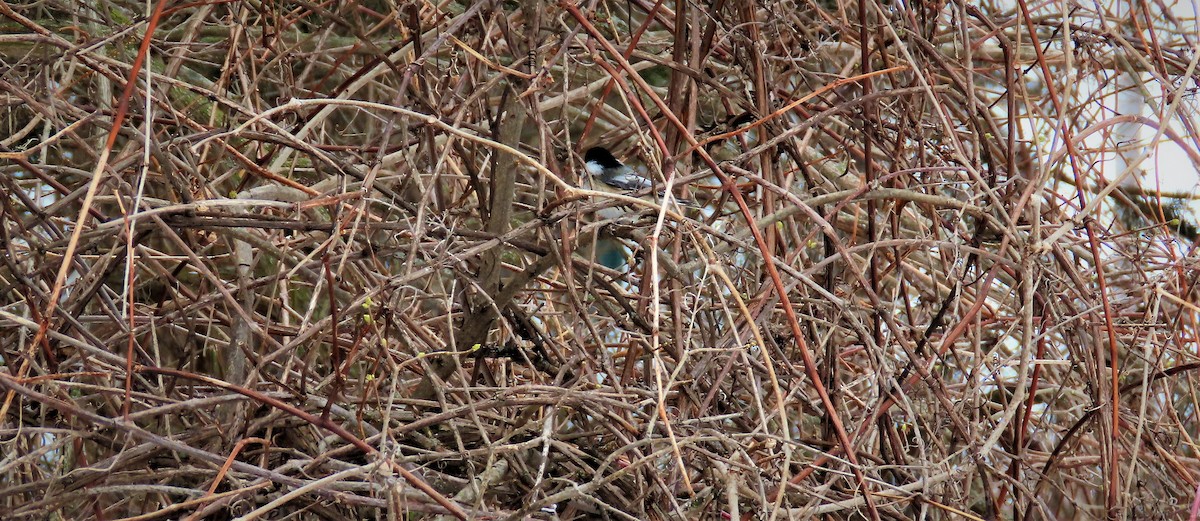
(602,165)
(615,176)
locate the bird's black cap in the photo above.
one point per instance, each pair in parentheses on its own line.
(601,156)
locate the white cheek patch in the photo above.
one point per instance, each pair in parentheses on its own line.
(594,168)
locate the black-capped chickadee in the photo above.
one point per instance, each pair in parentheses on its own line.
(614,176)
(602,165)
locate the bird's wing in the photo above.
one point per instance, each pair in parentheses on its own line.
(626,180)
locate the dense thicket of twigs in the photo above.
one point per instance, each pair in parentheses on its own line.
(335,261)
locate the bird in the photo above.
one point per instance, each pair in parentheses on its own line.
(602,165)
(615,176)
